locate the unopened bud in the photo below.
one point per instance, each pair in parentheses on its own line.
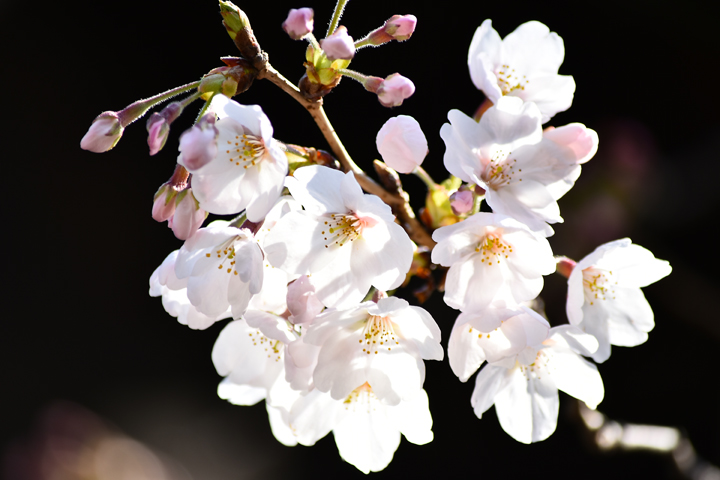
(299,23)
(302,301)
(158,131)
(164,203)
(104,133)
(402,143)
(462,201)
(397,27)
(198,144)
(565,266)
(188,216)
(394,90)
(238,27)
(339,45)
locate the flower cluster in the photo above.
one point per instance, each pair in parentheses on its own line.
(304,267)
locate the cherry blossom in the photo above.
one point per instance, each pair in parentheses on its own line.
(524,64)
(344,239)
(366,429)
(381,343)
(223,266)
(249,168)
(187,217)
(491,257)
(524,388)
(604,296)
(394,90)
(495,333)
(523,169)
(164,283)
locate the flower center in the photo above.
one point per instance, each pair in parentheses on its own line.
(500,171)
(378,334)
(343,228)
(509,81)
(493,248)
(598,284)
(541,365)
(247,150)
(274,348)
(361,396)
(226,253)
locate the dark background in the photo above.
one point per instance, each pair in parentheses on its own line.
(81,244)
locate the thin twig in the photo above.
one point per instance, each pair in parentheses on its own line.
(399,204)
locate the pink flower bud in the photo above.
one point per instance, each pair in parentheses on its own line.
(164,203)
(103,134)
(188,215)
(565,266)
(461,201)
(304,306)
(400,27)
(198,145)
(394,90)
(402,144)
(158,131)
(339,45)
(299,23)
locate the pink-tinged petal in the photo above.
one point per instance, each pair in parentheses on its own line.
(300,361)
(402,144)
(489,382)
(164,203)
(581,140)
(270,325)
(198,147)
(299,22)
(528,408)
(302,302)
(464,352)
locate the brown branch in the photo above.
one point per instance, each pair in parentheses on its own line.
(397,202)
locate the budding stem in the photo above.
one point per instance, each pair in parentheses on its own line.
(427,179)
(339,8)
(136,110)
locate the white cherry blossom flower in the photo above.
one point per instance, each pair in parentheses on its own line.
(173,291)
(523,170)
(402,143)
(366,429)
(491,257)
(382,343)
(524,64)
(604,296)
(524,388)
(249,169)
(495,333)
(223,266)
(344,239)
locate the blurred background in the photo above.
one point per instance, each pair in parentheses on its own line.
(98,382)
